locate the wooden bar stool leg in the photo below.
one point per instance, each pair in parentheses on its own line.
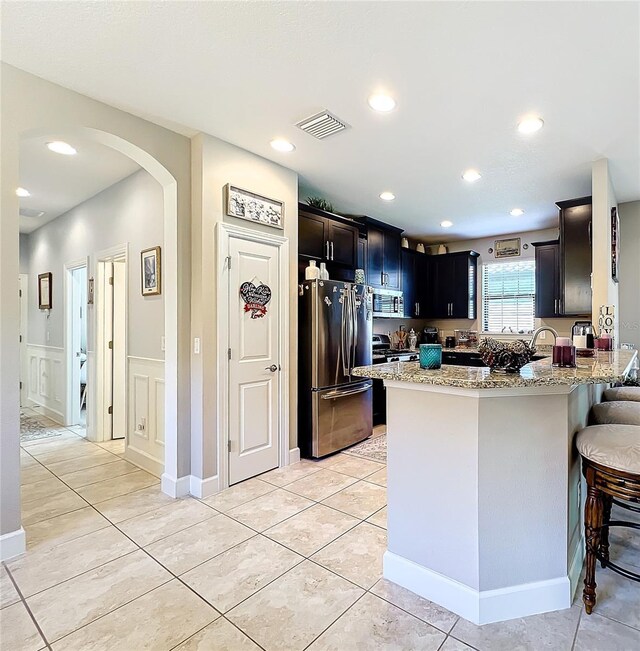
(607,501)
(593,514)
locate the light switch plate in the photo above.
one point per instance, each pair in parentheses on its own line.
(196,345)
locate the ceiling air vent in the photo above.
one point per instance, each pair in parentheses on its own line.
(321,125)
(29,212)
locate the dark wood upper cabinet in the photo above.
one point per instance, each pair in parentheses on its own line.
(454,285)
(343,243)
(548,286)
(312,235)
(416,288)
(383,266)
(575,256)
(375,257)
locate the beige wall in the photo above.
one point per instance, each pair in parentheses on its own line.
(31,105)
(630,272)
(214,164)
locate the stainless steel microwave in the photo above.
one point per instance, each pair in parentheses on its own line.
(387,302)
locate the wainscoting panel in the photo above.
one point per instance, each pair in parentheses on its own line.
(145,434)
(46,380)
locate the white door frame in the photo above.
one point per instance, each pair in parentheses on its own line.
(23,287)
(224,234)
(68,322)
(97,388)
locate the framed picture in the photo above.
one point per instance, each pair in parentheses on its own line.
(507,248)
(45,290)
(151,271)
(615,244)
(253,207)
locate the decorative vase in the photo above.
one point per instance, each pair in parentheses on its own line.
(412,339)
(430,356)
(359,277)
(311,272)
(324,274)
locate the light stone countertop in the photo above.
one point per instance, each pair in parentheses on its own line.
(605,367)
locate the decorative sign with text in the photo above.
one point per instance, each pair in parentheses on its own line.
(255,298)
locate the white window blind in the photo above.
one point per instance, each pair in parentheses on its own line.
(508,296)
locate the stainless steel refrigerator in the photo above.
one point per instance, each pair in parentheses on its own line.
(334,406)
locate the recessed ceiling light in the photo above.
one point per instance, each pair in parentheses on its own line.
(282,145)
(530,124)
(23,192)
(382,103)
(60,147)
(387,196)
(471,176)
(446,224)
(516,212)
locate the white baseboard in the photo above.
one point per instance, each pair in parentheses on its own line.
(294,455)
(56,416)
(175,487)
(479,607)
(12,544)
(144,461)
(204,487)
(575,566)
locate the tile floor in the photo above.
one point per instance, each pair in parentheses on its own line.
(287,561)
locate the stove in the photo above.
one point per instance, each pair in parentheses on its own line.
(382,351)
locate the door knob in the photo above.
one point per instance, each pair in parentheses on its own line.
(273,368)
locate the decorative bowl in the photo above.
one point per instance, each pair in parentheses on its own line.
(503,357)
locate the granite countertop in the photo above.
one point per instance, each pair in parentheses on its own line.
(605,367)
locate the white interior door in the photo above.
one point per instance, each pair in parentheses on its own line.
(254,366)
(104,340)
(76,279)
(23,294)
(119,354)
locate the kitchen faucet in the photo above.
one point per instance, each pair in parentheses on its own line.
(534,337)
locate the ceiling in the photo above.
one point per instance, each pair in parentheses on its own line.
(57,183)
(463,73)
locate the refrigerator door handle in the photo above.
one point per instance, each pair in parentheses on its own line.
(354,297)
(344,333)
(347,392)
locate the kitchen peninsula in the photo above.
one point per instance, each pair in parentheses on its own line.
(484,496)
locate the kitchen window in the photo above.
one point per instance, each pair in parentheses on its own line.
(508,296)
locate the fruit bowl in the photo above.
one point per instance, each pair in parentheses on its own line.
(503,357)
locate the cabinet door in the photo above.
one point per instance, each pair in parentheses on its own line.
(391,262)
(547,280)
(312,236)
(575,240)
(409,278)
(375,256)
(463,289)
(423,284)
(343,242)
(441,281)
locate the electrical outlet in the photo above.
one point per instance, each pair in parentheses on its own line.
(196,345)
(542,335)
(142,425)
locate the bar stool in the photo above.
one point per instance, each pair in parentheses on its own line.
(611,466)
(622,393)
(620,412)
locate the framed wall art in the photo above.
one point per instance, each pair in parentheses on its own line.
(45,290)
(615,244)
(507,248)
(253,207)
(151,271)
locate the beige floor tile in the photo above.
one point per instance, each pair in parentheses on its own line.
(265,511)
(166,520)
(625,547)
(38,510)
(424,609)
(229,578)
(357,555)
(184,550)
(42,569)
(95,474)
(157,621)
(239,494)
(219,636)
(376,624)
(312,529)
(59,438)
(451,644)
(617,597)
(63,528)
(17,630)
(289,474)
(361,499)
(67,447)
(292,611)
(356,467)
(597,633)
(75,464)
(554,630)
(127,506)
(379,518)
(42,489)
(115,446)
(26,460)
(379,477)
(32,473)
(8,594)
(320,485)
(66,607)
(116,486)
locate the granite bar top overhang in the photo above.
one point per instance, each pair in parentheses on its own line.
(604,368)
